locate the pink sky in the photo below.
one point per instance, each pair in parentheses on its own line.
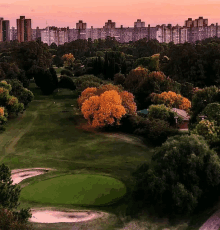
(63,13)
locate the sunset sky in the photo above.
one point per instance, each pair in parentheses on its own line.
(63,13)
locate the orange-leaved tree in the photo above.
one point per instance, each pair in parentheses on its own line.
(128,102)
(68,59)
(103,110)
(171,99)
(86,94)
(127,98)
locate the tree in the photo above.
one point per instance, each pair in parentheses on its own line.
(24,95)
(212,111)
(105,109)
(208,130)
(184,174)
(171,99)
(134,79)
(46,80)
(126,97)
(10,102)
(201,98)
(66,82)
(9,196)
(163,113)
(68,60)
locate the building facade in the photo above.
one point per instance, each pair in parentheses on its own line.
(4,30)
(24,31)
(55,35)
(192,31)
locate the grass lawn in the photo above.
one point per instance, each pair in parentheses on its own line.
(47,135)
(80,189)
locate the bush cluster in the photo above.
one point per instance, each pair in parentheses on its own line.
(66,82)
(185,173)
(66,72)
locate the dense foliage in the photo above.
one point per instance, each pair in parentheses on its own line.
(171,99)
(105,109)
(123,99)
(66,82)
(185,172)
(9,197)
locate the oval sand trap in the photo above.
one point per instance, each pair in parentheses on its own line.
(18,175)
(77,189)
(50,216)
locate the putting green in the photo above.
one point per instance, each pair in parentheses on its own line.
(80,189)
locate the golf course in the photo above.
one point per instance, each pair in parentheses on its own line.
(92,170)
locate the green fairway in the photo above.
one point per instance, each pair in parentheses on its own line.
(47,135)
(80,189)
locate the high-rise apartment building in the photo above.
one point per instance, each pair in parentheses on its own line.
(4,30)
(53,34)
(13,33)
(24,29)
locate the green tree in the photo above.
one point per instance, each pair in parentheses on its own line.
(185,173)
(9,197)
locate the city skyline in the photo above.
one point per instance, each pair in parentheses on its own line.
(97,12)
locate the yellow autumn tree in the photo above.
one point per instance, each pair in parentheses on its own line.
(127,98)
(128,102)
(68,60)
(86,94)
(103,110)
(171,99)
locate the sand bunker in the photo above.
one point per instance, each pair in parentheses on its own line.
(18,175)
(50,216)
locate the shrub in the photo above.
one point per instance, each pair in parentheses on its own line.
(66,82)
(119,79)
(207,129)
(3,115)
(4,96)
(24,95)
(129,123)
(13,106)
(11,220)
(5,85)
(86,78)
(201,99)
(161,112)
(185,172)
(159,131)
(212,111)
(66,72)
(88,84)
